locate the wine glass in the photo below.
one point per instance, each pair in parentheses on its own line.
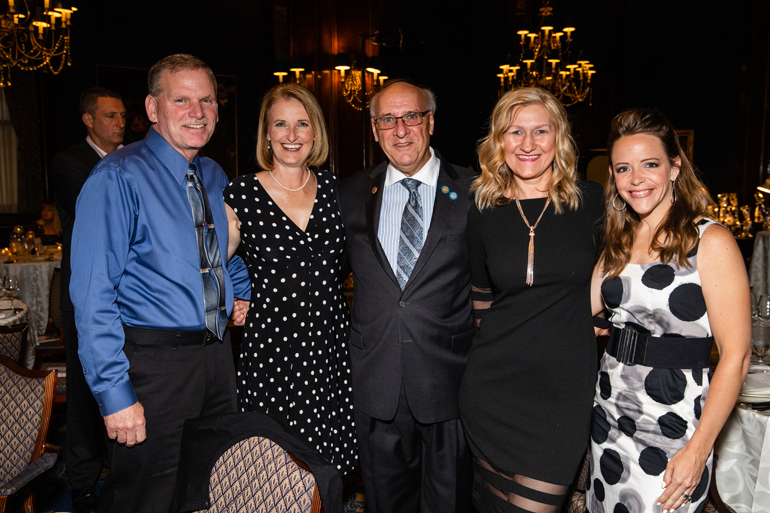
(11,288)
(13,247)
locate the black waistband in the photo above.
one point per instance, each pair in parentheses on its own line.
(149,337)
(632,348)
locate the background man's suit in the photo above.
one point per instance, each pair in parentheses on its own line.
(85,427)
(416,338)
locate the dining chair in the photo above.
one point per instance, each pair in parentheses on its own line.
(256,474)
(26,400)
(13,341)
(252,462)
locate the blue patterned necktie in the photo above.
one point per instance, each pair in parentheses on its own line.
(412,232)
(208,254)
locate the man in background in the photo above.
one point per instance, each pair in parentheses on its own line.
(104,116)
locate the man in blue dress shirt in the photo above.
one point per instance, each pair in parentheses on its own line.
(138,291)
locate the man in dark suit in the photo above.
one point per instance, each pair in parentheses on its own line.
(104,115)
(412,320)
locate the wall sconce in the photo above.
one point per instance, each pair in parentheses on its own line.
(343,64)
(296,66)
(355,80)
(280,71)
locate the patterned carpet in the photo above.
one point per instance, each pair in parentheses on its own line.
(53,493)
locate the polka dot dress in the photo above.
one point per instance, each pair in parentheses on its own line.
(642,415)
(294,362)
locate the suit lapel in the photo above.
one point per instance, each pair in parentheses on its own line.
(373,206)
(442,212)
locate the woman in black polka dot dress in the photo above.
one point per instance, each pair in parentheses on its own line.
(674,282)
(294,362)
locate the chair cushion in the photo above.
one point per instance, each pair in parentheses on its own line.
(29,473)
(257,475)
(21,410)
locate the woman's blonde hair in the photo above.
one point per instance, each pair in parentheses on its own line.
(497,178)
(677,230)
(56,222)
(320,151)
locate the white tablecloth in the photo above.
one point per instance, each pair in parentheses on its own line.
(35,285)
(743,469)
(759,274)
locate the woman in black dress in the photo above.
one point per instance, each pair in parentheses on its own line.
(527,391)
(294,362)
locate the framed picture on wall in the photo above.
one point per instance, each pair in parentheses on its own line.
(131,85)
(687,141)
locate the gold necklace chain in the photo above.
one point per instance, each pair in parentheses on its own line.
(531,248)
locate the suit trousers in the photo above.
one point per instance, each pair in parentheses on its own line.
(173,384)
(85,450)
(412,467)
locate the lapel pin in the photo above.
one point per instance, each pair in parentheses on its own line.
(374,189)
(444,189)
(453,195)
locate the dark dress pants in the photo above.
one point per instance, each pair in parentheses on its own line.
(172,384)
(85,448)
(412,467)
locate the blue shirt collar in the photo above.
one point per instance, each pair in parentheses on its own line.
(176,164)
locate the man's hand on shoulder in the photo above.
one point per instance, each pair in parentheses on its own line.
(127,425)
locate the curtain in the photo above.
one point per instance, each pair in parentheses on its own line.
(22,100)
(9,190)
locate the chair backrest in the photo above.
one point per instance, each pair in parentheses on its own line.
(256,474)
(54,300)
(13,341)
(26,399)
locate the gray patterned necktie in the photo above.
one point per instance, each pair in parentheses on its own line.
(208,254)
(412,232)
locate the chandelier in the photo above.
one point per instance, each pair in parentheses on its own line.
(31,41)
(544,62)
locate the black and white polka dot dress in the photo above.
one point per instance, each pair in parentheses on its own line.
(294,361)
(642,415)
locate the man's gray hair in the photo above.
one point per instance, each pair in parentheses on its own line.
(430,97)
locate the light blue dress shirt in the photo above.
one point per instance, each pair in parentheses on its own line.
(135,258)
(395,197)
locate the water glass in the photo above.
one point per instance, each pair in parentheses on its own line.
(11,287)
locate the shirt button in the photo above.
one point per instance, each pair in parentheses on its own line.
(402,304)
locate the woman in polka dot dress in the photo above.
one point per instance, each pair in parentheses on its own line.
(671,280)
(294,362)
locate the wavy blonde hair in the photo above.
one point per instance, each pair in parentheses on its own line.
(320,151)
(677,230)
(497,178)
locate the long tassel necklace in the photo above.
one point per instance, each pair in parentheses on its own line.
(531,249)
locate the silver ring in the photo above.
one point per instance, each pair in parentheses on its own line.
(687,498)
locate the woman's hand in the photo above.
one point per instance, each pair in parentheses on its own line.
(682,476)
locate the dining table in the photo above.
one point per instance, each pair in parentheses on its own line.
(34,274)
(743,449)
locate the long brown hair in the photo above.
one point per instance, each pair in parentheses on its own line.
(677,234)
(497,178)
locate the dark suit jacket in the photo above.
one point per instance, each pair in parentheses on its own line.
(70,169)
(419,336)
